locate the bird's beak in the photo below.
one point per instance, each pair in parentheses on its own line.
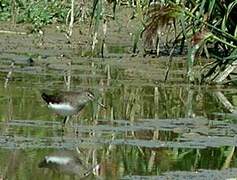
(102,105)
(94,99)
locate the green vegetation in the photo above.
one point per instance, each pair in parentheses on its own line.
(39,13)
(206,28)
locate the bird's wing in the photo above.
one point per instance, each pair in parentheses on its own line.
(52,98)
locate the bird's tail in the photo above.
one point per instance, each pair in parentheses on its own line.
(46,97)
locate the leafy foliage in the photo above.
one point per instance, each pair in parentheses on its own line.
(42,13)
(4,10)
(208,25)
(160,16)
(39,13)
(197,27)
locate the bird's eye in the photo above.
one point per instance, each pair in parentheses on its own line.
(90,95)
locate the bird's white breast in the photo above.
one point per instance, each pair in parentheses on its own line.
(63,109)
(58,160)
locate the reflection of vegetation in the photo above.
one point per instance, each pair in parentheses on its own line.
(122,161)
(124,102)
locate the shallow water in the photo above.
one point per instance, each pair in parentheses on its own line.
(149,129)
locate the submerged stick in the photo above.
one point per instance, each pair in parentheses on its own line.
(9,74)
(12,32)
(170,63)
(70,27)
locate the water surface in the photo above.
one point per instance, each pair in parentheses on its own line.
(150,128)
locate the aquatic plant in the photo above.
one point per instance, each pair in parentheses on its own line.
(5,8)
(202,24)
(197,27)
(39,13)
(100,17)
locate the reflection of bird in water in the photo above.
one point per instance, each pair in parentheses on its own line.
(66,162)
(68,103)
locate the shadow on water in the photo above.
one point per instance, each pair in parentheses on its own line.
(66,162)
(149,129)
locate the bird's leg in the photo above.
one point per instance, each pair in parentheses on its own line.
(64,121)
(66,118)
(77,131)
(62,132)
(63,124)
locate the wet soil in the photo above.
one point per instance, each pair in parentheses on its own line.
(150,129)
